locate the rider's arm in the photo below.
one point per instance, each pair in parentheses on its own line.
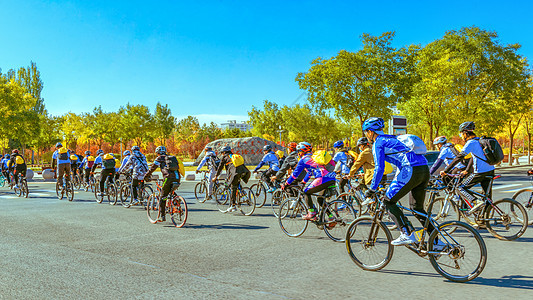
(300,167)
(261,163)
(436,165)
(286,165)
(379,162)
(459,157)
(202,163)
(223,162)
(365,156)
(54,156)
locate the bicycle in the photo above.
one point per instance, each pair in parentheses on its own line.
(89,185)
(22,190)
(505,219)
(368,242)
(525,197)
(260,190)
(279,195)
(176,206)
(355,195)
(76,180)
(67,189)
(202,187)
(244,200)
(333,216)
(110,191)
(3,180)
(143,193)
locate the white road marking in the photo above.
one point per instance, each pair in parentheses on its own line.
(9,197)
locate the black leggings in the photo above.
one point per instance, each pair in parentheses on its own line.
(416,185)
(315,190)
(266,177)
(166,189)
(484,179)
(103,176)
(134,187)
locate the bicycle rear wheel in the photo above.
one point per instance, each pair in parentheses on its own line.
(260,194)
(506,219)
(353,201)
(463,254)
(125,195)
(59,191)
(144,194)
(525,197)
(178,211)
(2,181)
(111,194)
(69,190)
(368,243)
(222,195)
(444,210)
(246,201)
(152,208)
(277,198)
(290,216)
(200,192)
(343,215)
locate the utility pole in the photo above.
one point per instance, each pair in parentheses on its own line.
(280,131)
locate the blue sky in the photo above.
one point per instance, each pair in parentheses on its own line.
(215,59)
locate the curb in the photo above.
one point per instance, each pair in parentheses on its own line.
(513,167)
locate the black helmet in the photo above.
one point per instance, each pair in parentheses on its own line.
(87,152)
(99,152)
(208,148)
(467,126)
(267,148)
(362,141)
(225,149)
(135,148)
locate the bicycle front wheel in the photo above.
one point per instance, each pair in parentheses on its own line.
(200,192)
(260,194)
(152,208)
(525,197)
(178,211)
(125,195)
(246,201)
(277,198)
(112,194)
(444,210)
(222,198)
(290,217)
(69,190)
(337,217)
(506,219)
(457,251)
(59,191)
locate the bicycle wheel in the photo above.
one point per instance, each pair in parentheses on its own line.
(152,208)
(144,194)
(69,190)
(368,243)
(260,194)
(76,182)
(525,197)
(290,216)
(200,192)
(277,198)
(353,201)
(111,194)
(444,210)
(246,201)
(342,215)
(24,188)
(222,199)
(2,181)
(178,211)
(463,255)
(506,219)
(59,191)
(125,195)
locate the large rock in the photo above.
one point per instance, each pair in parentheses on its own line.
(48,174)
(251,148)
(29,174)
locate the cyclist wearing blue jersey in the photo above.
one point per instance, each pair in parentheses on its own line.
(483,172)
(341,164)
(271,159)
(4,168)
(61,163)
(446,155)
(211,161)
(126,156)
(412,177)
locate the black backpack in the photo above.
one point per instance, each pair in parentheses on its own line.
(172,163)
(492,150)
(109,163)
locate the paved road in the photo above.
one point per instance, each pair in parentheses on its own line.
(81,249)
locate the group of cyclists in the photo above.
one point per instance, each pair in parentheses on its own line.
(298,167)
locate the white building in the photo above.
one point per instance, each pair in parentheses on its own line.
(231,124)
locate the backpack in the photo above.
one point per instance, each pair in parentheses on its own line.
(351,156)
(172,163)
(90,161)
(414,143)
(62,153)
(19,160)
(108,162)
(321,157)
(492,150)
(237,160)
(73,158)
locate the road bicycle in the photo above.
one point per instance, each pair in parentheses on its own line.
(202,187)
(143,193)
(455,249)
(65,190)
(333,216)
(3,180)
(355,195)
(89,186)
(22,189)
(244,200)
(110,191)
(260,190)
(76,180)
(505,219)
(279,195)
(525,197)
(176,206)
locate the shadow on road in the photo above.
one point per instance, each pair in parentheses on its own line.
(225,226)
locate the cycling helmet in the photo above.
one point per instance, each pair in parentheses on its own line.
(208,148)
(292,146)
(267,148)
(127,152)
(58,145)
(338,144)
(362,141)
(135,148)
(8,156)
(15,151)
(225,149)
(87,152)
(161,150)
(304,147)
(440,140)
(467,126)
(374,124)
(99,152)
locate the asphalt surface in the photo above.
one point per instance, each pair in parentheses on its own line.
(55,249)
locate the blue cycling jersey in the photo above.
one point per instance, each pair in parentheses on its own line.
(341,158)
(388,148)
(125,161)
(473,146)
(271,159)
(4,163)
(209,158)
(319,172)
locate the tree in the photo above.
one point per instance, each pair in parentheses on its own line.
(266,121)
(164,123)
(136,122)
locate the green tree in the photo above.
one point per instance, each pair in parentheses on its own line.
(266,121)
(136,123)
(164,123)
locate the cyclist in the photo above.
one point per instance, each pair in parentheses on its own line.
(365,160)
(75,161)
(17,165)
(4,168)
(324,178)
(61,163)
(164,162)
(271,159)
(341,164)
(289,164)
(482,171)
(212,162)
(137,164)
(281,157)
(412,176)
(87,164)
(234,175)
(107,162)
(127,155)
(446,155)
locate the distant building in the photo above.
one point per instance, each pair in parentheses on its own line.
(231,124)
